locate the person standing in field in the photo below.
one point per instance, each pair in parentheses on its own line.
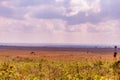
(115,52)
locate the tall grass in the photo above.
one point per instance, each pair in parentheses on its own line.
(28,69)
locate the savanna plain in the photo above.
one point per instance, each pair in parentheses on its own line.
(59,64)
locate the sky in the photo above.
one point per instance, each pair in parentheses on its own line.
(60,21)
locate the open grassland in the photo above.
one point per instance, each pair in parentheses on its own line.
(58,65)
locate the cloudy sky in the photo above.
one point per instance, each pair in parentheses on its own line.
(60,21)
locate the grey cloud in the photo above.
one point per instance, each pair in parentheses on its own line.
(26,3)
(6,12)
(82,18)
(53,13)
(72,20)
(109,10)
(19,9)
(14,13)
(48,14)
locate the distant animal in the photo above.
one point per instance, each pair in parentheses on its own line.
(33,53)
(115,52)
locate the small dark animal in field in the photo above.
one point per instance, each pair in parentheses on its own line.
(33,53)
(115,52)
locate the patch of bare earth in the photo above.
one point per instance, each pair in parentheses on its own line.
(8,54)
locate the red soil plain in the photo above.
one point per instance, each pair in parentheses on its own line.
(53,53)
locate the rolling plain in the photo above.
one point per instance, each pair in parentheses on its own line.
(58,63)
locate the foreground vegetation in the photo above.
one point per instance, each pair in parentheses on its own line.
(29,69)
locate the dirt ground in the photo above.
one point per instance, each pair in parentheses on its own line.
(70,55)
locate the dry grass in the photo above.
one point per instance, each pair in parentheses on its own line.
(58,65)
(58,55)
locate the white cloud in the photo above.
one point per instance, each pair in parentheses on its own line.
(77,6)
(59,1)
(58,31)
(51,22)
(31,26)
